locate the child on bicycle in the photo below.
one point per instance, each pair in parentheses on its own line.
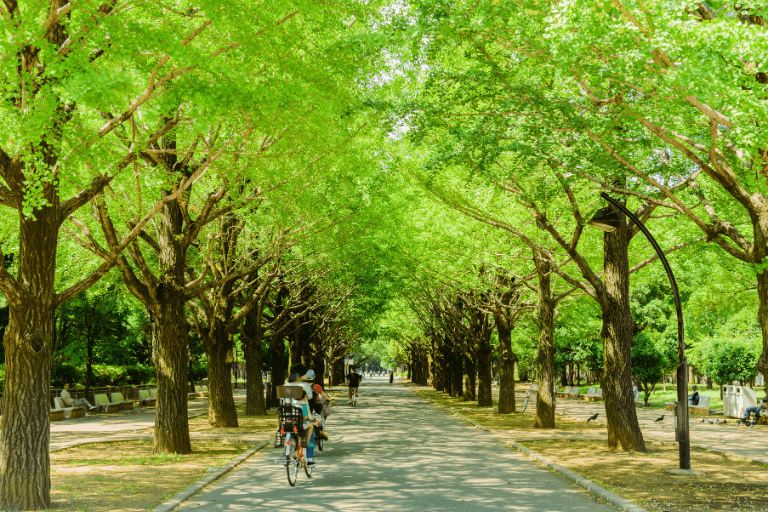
(308,426)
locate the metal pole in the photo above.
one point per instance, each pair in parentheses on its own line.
(681,406)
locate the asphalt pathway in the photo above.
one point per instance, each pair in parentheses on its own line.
(396,451)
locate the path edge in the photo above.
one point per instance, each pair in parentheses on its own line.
(601,492)
(198,486)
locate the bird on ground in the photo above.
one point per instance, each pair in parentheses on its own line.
(660,418)
(738,422)
(710,422)
(702,420)
(717,421)
(725,422)
(593,417)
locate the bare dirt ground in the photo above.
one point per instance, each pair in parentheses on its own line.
(729,483)
(127,477)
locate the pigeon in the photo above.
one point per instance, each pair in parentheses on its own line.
(710,422)
(593,417)
(702,420)
(738,422)
(660,418)
(725,422)
(717,421)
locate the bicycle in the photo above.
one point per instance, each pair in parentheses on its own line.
(293,438)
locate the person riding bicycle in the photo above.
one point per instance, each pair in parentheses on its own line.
(309,426)
(353,379)
(316,405)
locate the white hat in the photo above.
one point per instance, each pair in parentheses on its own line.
(310,375)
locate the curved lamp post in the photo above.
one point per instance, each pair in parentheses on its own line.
(605,219)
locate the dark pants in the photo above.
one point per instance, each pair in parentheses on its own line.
(751,410)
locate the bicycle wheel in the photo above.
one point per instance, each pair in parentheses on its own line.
(307,467)
(319,443)
(292,463)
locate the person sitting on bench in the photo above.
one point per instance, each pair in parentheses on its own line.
(71,402)
(694,398)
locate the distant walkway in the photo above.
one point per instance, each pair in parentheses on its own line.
(397,452)
(130,424)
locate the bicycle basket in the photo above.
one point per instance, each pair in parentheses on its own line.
(290,417)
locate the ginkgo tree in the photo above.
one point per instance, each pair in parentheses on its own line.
(140,99)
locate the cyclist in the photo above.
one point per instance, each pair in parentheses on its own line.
(316,405)
(309,426)
(354,379)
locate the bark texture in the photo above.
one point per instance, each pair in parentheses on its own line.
(255,404)
(545,318)
(506,370)
(617,332)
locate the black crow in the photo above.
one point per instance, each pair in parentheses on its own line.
(593,417)
(660,418)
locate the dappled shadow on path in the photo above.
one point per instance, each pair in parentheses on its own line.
(397,452)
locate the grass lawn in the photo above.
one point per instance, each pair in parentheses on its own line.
(489,416)
(659,397)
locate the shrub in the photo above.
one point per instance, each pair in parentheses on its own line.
(197,371)
(106,375)
(139,374)
(648,363)
(63,373)
(733,359)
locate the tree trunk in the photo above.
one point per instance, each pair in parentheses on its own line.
(485,377)
(255,404)
(762,314)
(279,366)
(89,366)
(25,467)
(507,370)
(221,404)
(457,374)
(617,332)
(171,421)
(25,479)
(545,403)
(469,390)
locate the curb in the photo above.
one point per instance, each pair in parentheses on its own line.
(589,485)
(600,492)
(196,487)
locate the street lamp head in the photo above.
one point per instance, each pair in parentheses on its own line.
(605,219)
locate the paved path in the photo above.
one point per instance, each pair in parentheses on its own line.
(397,452)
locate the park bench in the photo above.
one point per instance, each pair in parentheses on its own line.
(702,409)
(572,392)
(563,393)
(57,414)
(146,399)
(200,392)
(699,410)
(117,397)
(593,395)
(69,412)
(102,401)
